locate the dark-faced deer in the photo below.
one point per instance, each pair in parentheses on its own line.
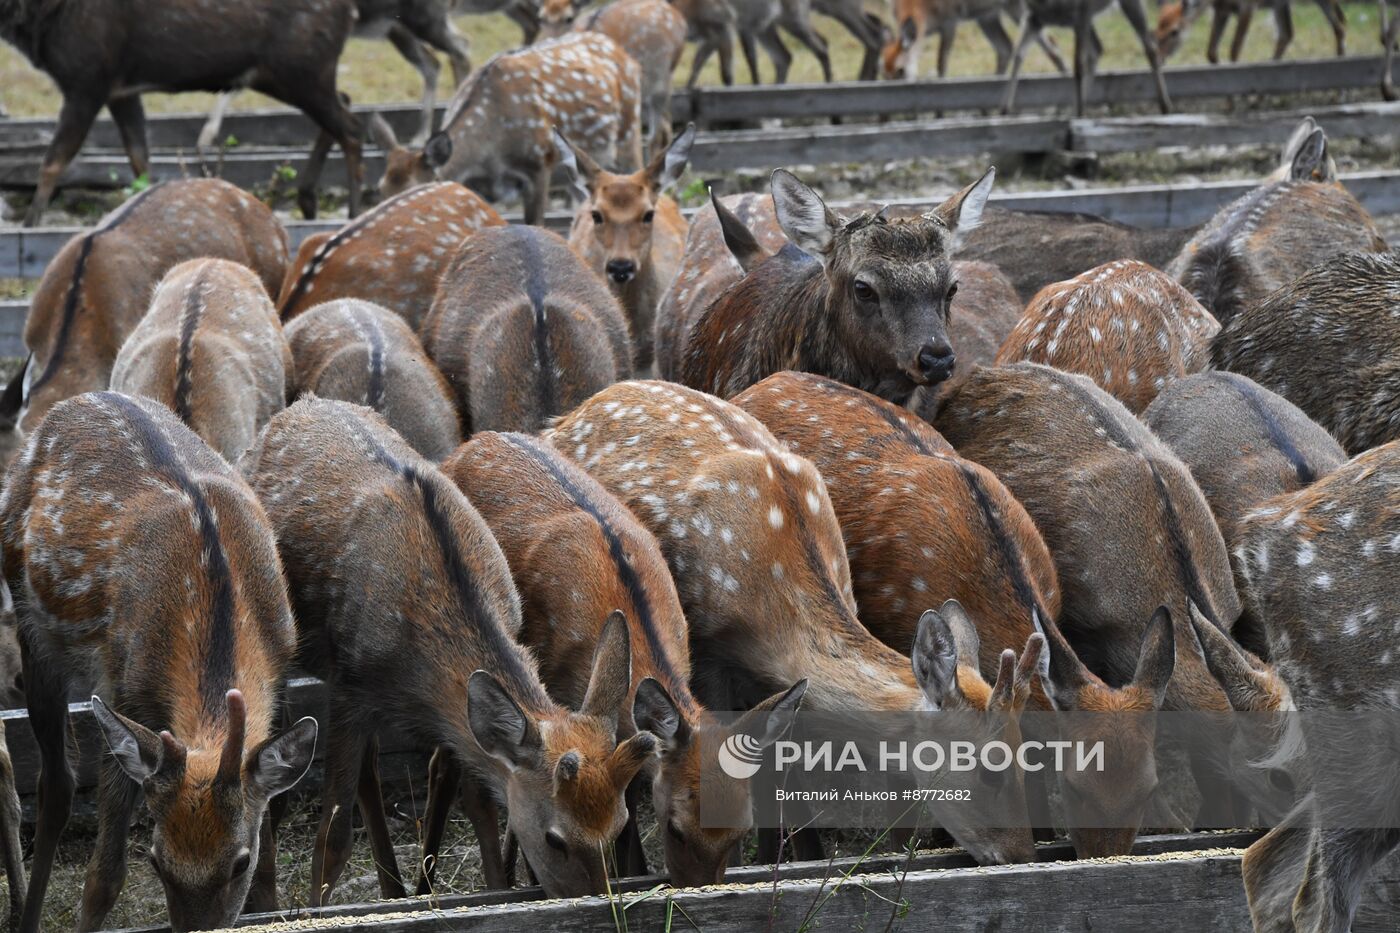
(211,350)
(162,545)
(523,330)
(1300,216)
(555,521)
(864,301)
(287,49)
(98,287)
(1175,19)
(918,19)
(630,232)
(756,552)
(499,126)
(432,654)
(1125,325)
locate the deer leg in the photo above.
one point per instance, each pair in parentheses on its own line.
(1332,12)
(1137,18)
(536,196)
(1082,52)
(1218,21)
(481,810)
(1283,18)
(74,120)
(9,832)
(345,747)
(426,64)
(209,133)
(703,50)
(947,32)
(1339,862)
(525,16)
(443,36)
(371,800)
(130,118)
(117,797)
(336,121)
(815,42)
(726,57)
(1052,51)
(1001,43)
(48,717)
(444,778)
(746,43)
(868,36)
(307,201)
(1029,29)
(262,895)
(1389,34)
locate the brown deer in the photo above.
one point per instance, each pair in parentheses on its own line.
(753,544)
(287,49)
(163,546)
(1320,571)
(918,19)
(1125,325)
(98,287)
(13,852)
(629,231)
(358,352)
(1176,18)
(552,518)
(1243,445)
(1300,216)
(210,349)
(523,330)
(392,255)
(431,654)
(864,301)
(499,125)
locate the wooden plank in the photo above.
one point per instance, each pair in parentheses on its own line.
(1139,134)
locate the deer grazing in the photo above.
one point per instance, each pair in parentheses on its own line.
(551,518)
(1079,15)
(864,301)
(1300,216)
(97,288)
(1319,566)
(433,654)
(918,19)
(210,349)
(523,330)
(358,352)
(582,84)
(630,232)
(1176,18)
(287,49)
(756,552)
(1125,325)
(163,544)
(1325,343)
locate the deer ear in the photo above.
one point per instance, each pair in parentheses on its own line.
(1310,160)
(803,215)
(437,151)
(963,211)
(935,658)
(766,721)
(667,168)
(12,401)
(498,723)
(582,170)
(738,239)
(382,133)
(1157,657)
(1227,663)
(280,762)
(611,680)
(138,750)
(654,711)
(908,32)
(1062,674)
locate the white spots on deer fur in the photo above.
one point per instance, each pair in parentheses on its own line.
(1323,581)
(1306,553)
(1368,548)
(775,517)
(918,585)
(814,503)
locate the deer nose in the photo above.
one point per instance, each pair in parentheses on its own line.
(936,361)
(621,271)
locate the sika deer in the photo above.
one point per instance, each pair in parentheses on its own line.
(757,22)
(629,231)
(499,124)
(1320,572)
(1125,325)
(756,553)
(358,352)
(1326,343)
(10,816)
(1300,216)
(210,349)
(864,301)
(138,560)
(553,519)
(433,654)
(523,330)
(98,287)
(1243,445)
(287,49)
(711,26)
(918,19)
(1174,19)
(369,257)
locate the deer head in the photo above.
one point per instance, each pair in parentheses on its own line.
(406,168)
(897,52)
(1174,20)
(557,17)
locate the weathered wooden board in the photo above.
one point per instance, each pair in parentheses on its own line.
(1195,130)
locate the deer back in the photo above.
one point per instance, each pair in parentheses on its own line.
(652,31)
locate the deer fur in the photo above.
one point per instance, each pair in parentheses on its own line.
(358,352)
(1175,19)
(10,815)
(918,19)
(711,27)
(168,598)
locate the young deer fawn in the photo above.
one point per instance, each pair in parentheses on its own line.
(432,654)
(98,287)
(161,544)
(358,352)
(1325,342)
(499,124)
(210,349)
(392,255)
(629,231)
(918,19)
(1175,19)
(756,552)
(1125,325)
(552,518)
(523,330)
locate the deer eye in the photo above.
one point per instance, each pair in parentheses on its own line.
(952,290)
(648,217)
(556,842)
(598,217)
(863,291)
(240,866)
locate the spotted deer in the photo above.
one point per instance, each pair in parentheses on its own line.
(1319,569)
(95,291)
(1128,327)
(433,654)
(1339,369)
(864,301)
(918,19)
(210,349)
(629,231)
(356,351)
(162,544)
(552,518)
(523,330)
(753,544)
(1175,19)
(499,125)
(392,255)
(1300,216)
(1243,445)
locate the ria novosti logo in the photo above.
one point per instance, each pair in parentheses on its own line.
(740,756)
